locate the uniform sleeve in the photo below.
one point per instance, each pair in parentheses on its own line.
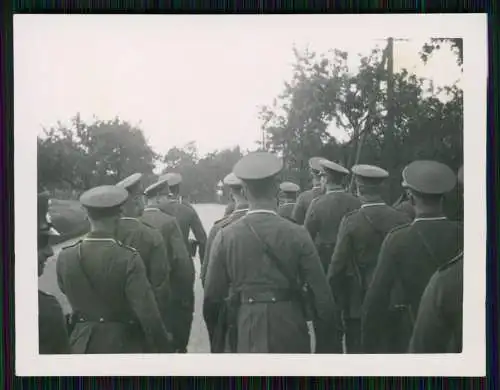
(142,301)
(53,335)
(341,258)
(204,264)
(199,234)
(159,270)
(377,298)
(311,222)
(430,333)
(184,267)
(59,265)
(299,211)
(216,281)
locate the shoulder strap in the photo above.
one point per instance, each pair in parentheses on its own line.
(427,247)
(371,223)
(277,262)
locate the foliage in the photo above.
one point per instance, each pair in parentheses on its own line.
(456,45)
(324,90)
(85,155)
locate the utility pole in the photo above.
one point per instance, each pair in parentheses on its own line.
(389,131)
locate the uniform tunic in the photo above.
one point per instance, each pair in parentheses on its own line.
(323,220)
(238,264)
(180,313)
(240,211)
(229,209)
(409,256)
(354,259)
(188,219)
(52,333)
(105,280)
(286,210)
(149,243)
(438,328)
(303,202)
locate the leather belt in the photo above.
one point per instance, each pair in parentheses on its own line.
(249,297)
(85,318)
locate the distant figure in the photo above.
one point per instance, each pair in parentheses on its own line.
(305,198)
(179,314)
(409,256)
(114,307)
(289,193)
(52,332)
(257,264)
(438,327)
(186,216)
(354,259)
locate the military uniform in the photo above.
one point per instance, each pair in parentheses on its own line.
(52,333)
(438,328)
(325,214)
(289,191)
(229,208)
(186,216)
(114,307)
(268,318)
(180,313)
(409,256)
(305,198)
(360,236)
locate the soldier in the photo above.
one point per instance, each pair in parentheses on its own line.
(52,333)
(252,296)
(230,206)
(305,198)
(131,231)
(289,191)
(186,216)
(325,213)
(180,313)
(107,286)
(408,257)
(359,239)
(403,204)
(240,209)
(438,328)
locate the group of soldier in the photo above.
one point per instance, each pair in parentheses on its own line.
(360,275)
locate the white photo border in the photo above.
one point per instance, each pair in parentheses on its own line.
(471,362)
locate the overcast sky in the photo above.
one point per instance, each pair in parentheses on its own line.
(184,78)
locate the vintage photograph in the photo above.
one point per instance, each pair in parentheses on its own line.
(213,186)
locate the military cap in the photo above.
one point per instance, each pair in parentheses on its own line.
(369,171)
(173,178)
(288,186)
(314,163)
(232,180)
(104,197)
(429,177)
(45,226)
(403,183)
(131,183)
(461,175)
(157,187)
(258,166)
(327,165)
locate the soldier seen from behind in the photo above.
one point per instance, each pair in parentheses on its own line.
(403,204)
(409,256)
(132,232)
(254,299)
(114,307)
(288,199)
(180,313)
(306,197)
(439,323)
(52,333)
(186,216)
(356,251)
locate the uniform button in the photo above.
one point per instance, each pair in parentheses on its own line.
(101,319)
(274,299)
(250,300)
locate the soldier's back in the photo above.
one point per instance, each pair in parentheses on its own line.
(286,210)
(182,212)
(303,202)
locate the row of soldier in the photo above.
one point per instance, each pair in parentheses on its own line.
(264,276)
(130,280)
(358,270)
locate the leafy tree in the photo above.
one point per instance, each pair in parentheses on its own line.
(456,45)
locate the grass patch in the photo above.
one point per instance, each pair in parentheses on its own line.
(69,218)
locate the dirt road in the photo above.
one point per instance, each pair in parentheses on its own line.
(198,342)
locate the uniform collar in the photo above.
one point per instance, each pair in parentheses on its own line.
(152,208)
(262,211)
(287,203)
(99,236)
(370,204)
(429,218)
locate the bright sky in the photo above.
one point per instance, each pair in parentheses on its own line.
(183,78)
